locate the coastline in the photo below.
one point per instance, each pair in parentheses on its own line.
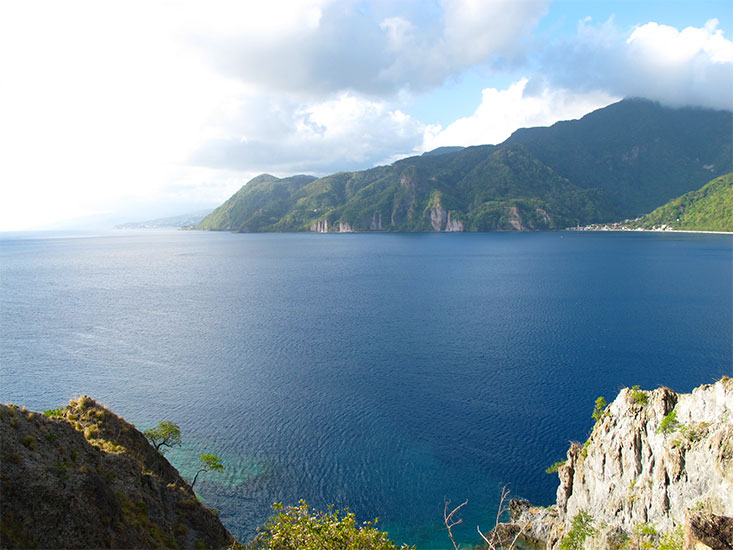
(692,231)
(626,230)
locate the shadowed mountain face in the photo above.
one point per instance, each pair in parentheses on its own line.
(618,162)
(638,153)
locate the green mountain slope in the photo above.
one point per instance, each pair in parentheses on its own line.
(640,154)
(618,162)
(264,198)
(707,209)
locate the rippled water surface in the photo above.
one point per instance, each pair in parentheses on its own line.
(385,372)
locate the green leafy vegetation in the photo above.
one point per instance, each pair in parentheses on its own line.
(646,536)
(135,498)
(553,468)
(638,154)
(165,434)
(58,412)
(600,406)
(694,431)
(638,396)
(619,162)
(209,463)
(585,448)
(706,209)
(581,528)
(301,528)
(675,540)
(485,188)
(669,423)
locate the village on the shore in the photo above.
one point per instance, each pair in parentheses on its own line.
(619,226)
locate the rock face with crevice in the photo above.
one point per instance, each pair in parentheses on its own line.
(86,478)
(657,461)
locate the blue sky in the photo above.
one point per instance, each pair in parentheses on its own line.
(458,98)
(134,110)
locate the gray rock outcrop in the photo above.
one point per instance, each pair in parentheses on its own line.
(655,463)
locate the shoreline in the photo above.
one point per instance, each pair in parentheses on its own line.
(620,230)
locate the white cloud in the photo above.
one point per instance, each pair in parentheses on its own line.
(398,31)
(669,46)
(475,29)
(346,132)
(377,51)
(692,66)
(503,111)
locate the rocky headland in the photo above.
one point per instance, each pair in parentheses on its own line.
(656,472)
(82,477)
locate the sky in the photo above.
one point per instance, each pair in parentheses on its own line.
(132,110)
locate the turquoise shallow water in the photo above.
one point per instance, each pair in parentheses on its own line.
(385,373)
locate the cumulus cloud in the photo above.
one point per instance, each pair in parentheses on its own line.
(692,66)
(475,29)
(522,104)
(347,132)
(343,47)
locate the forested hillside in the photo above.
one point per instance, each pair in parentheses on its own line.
(618,162)
(706,209)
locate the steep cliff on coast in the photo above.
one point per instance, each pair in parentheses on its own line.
(82,477)
(655,471)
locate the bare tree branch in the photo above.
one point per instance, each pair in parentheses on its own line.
(495,541)
(448,519)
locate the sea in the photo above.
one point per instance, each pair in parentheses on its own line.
(390,374)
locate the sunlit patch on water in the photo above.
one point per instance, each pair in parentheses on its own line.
(238,469)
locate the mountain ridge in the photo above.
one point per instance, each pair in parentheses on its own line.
(618,162)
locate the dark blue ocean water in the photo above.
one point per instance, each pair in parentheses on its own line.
(385,373)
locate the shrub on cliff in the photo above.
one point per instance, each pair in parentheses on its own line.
(600,406)
(300,528)
(581,528)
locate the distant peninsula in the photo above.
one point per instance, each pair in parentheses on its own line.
(619,162)
(176,222)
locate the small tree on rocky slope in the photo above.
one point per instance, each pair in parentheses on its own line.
(208,462)
(165,434)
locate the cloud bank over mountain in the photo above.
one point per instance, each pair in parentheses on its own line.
(124,103)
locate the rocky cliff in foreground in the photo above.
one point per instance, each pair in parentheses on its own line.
(656,472)
(82,477)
